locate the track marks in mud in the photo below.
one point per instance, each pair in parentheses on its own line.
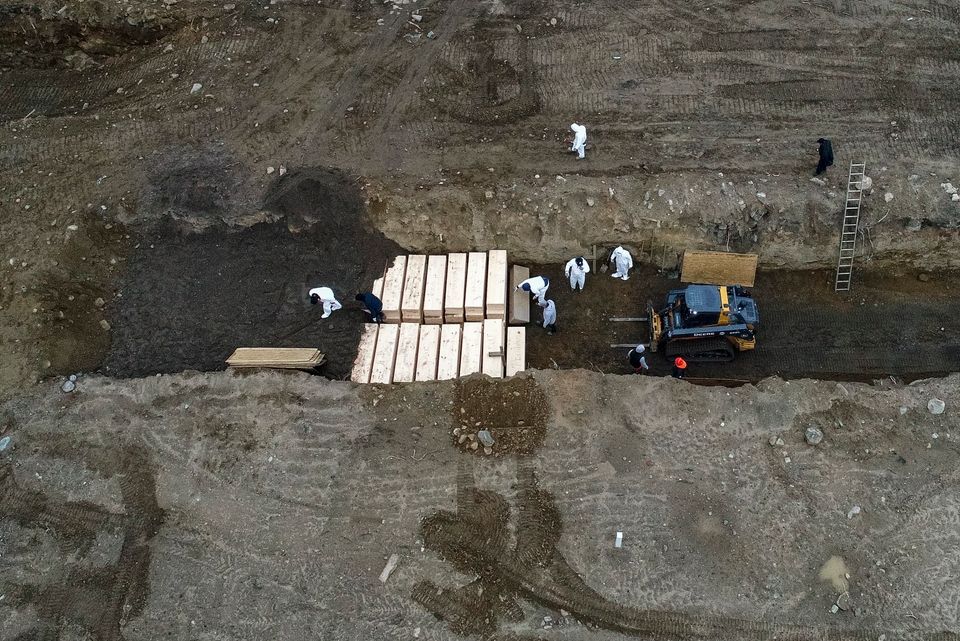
(523,563)
(97,598)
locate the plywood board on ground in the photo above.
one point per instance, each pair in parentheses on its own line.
(276,357)
(393,289)
(519,299)
(411,305)
(428,353)
(471,349)
(448,362)
(434,292)
(385,354)
(497,283)
(405,367)
(516,350)
(366,350)
(473,299)
(719,268)
(493,347)
(456,287)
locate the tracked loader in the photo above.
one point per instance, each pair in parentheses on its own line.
(704,323)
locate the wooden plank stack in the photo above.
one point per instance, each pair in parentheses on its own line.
(276,357)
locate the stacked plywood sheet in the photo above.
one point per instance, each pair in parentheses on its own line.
(497,284)
(434,291)
(494,349)
(385,354)
(473,299)
(428,353)
(471,349)
(455,288)
(276,357)
(393,289)
(448,359)
(519,299)
(363,364)
(411,305)
(405,365)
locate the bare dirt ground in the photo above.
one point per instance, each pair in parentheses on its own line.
(214,505)
(174,175)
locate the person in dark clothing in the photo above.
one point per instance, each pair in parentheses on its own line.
(826,155)
(372,306)
(638,359)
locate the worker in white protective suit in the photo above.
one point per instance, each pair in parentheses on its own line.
(579,140)
(537,286)
(577,270)
(324,295)
(622,261)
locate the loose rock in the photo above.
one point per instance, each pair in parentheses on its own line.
(843,601)
(591,202)
(923,278)
(105,325)
(813,436)
(485,437)
(888,196)
(936,406)
(99,302)
(775,441)
(196,88)
(68,386)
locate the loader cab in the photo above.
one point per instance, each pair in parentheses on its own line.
(712,305)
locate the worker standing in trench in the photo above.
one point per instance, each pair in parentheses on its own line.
(577,270)
(623,261)
(549,316)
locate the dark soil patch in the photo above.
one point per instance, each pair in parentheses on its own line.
(513,411)
(189,299)
(890,325)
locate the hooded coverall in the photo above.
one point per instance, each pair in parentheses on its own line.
(330,302)
(577,273)
(579,140)
(623,261)
(538,286)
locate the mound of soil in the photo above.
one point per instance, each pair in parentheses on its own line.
(514,411)
(188,299)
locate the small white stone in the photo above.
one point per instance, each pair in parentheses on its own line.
(270,170)
(888,196)
(196,88)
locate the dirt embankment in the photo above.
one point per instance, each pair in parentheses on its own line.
(269,493)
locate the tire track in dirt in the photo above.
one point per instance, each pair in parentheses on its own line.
(475,541)
(99,598)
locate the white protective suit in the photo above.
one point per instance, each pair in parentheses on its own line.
(577,273)
(330,302)
(549,313)
(538,286)
(623,261)
(579,140)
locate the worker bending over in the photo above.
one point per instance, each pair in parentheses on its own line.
(622,261)
(538,286)
(638,359)
(324,295)
(576,270)
(372,306)
(579,140)
(549,316)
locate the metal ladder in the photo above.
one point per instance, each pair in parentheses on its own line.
(851,222)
